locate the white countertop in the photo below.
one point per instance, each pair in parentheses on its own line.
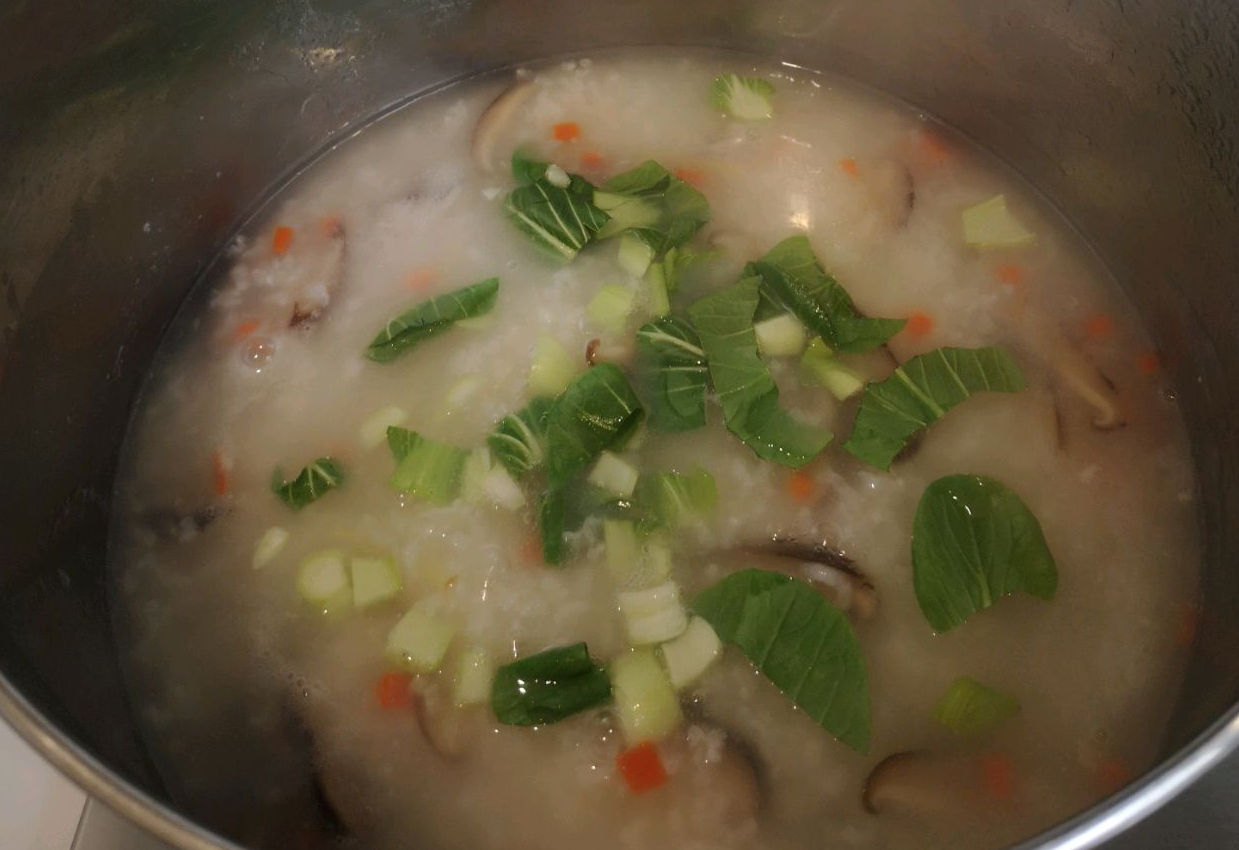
(39,809)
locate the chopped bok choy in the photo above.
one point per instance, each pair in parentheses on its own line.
(690,654)
(990,224)
(374,580)
(419,641)
(647,705)
(747,98)
(322,581)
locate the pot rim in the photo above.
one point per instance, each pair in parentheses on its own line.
(1087,829)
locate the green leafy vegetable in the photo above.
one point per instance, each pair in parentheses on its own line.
(547,687)
(676,263)
(748,98)
(800,642)
(426,468)
(656,206)
(431,318)
(311,483)
(672,499)
(673,374)
(519,440)
(970,708)
(795,278)
(747,392)
(597,411)
(553,524)
(560,220)
(920,392)
(974,542)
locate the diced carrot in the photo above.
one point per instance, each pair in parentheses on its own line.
(566,131)
(800,486)
(531,550)
(592,160)
(692,176)
(919,326)
(1185,629)
(219,472)
(642,768)
(245,329)
(419,280)
(1113,774)
(1148,363)
(849,167)
(931,149)
(331,226)
(282,240)
(1009,273)
(394,691)
(1099,327)
(998,776)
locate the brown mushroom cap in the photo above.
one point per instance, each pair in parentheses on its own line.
(494,121)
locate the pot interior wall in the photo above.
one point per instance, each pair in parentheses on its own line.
(134,139)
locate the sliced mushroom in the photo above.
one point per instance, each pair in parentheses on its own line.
(168,523)
(1075,371)
(591,352)
(313,292)
(716,784)
(923,784)
(618,351)
(890,188)
(450,730)
(495,120)
(828,570)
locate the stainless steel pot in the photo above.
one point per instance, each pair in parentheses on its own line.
(136,134)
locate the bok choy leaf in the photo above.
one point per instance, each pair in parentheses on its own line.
(673,374)
(431,318)
(560,220)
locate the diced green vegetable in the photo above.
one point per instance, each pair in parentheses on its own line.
(553,524)
(800,642)
(991,225)
(610,307)
(547,687)
(431,318)
(780,336)
(653,614)
(651,199)
(673,373)
(373,431)
(619,536)
(375,580)
(269,546)
(747,98)
(310,484)
(614,474)
(322,581)
(635,253)
(560,220)
(647,705)
(691,654)
(425,468)
(475,670)
(597,411)
(419,641)
(519,440)
(746,391)
(674,499)
(484,483)
(921,392)
(553,367)
(791,273)
(656,299)
(820,364)
(484,322)
(627,212)
(459,393)
(970,708)
(974,542)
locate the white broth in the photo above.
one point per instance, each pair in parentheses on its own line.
(269,371)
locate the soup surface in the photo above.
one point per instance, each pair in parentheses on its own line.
(955,651)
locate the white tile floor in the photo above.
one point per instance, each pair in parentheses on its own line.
(39,809)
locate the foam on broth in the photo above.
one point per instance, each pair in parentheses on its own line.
(214,644)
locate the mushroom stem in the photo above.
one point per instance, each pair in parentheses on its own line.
(828,570)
